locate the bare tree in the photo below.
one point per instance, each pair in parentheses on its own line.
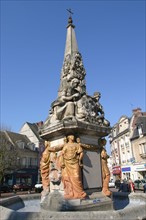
(8,155)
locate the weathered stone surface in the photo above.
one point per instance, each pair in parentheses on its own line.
(53,202)
(95,202)
(67,127)
(134,210)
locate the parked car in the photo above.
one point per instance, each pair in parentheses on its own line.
(117,184)
(38,187)
(139,184)
(111,184)
(22,187)
(5,188)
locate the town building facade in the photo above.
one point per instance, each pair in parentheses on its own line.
(128,146)
(20,159)
(31,130)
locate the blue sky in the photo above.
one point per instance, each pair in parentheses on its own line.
(111,39)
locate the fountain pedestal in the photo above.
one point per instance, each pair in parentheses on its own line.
(95,202)
(89,134)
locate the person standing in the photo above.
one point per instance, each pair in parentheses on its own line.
(124,186)
(131,186)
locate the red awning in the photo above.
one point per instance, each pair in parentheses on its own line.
(117,170)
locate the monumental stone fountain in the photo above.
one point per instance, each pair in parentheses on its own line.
(73,166)
(76,123)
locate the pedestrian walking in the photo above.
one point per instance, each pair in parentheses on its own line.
(124,187)
(131,186)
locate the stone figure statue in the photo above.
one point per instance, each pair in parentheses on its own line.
(81,110)
(98,109)
(72,88)
(105,169)
(73,103)
(71,174)
(64,106)
(45,166)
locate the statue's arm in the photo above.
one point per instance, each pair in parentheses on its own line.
(89,147)
(56,148)
(80,159)
(70,98)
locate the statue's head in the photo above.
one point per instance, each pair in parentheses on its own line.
(70,137)
(102,142)
(97,95)
(78,140)
(47,144)
(75,82)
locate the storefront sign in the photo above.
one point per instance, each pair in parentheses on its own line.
(140,167)
(126,169)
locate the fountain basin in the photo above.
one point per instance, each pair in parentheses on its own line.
(125,207)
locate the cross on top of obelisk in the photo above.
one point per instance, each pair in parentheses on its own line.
(70,12)
(70,21)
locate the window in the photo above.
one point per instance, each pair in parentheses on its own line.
(20,144)
(123,157)
(33,161)
(24,161)
(128,156)
(127,144)
(140,130)
(122,145)
(127,141)
(142,148)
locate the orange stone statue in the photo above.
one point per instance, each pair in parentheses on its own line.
(72,153)
(45,166)
(105,169)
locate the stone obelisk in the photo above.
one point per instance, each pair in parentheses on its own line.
(75,112)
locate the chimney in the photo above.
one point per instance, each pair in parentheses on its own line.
(136,110)
(40,123)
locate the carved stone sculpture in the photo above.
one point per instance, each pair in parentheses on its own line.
(45,167)
(105,169)
(71,174)
(86,146)
(74,112)
(73,103)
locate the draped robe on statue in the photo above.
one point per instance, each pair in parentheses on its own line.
(71,174)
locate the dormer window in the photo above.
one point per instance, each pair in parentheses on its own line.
(140,130)
(20,144)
